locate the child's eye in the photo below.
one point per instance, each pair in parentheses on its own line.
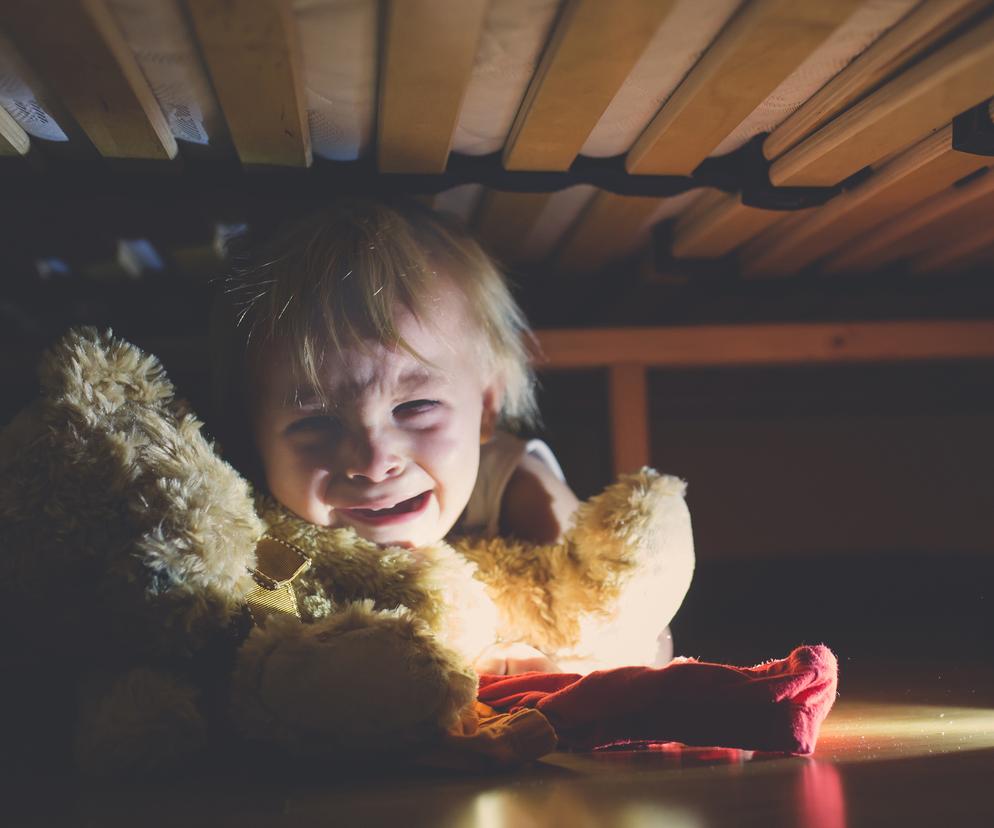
(414,407)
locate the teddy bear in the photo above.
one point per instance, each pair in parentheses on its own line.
(155,604)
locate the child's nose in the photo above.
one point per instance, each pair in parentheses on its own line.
(374,456)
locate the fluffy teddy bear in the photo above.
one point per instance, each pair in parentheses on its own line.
(153,604)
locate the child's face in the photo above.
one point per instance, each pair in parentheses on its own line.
(397,457)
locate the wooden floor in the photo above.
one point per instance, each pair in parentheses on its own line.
(907,747)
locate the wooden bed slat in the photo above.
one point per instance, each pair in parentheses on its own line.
(715,232)
(752,256)
(79,50)
(13,140)
(876,226)
(762,44)
(629,406)
(943,219)
(921,171)
(974,246)
(708,200)
(505,219)
(251,51)
(608,228)
(428,52)
(911,36)
(593,48)
(921,99)
(779,344)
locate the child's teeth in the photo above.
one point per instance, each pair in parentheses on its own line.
(403,506)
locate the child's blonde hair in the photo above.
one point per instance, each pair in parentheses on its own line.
(338,277)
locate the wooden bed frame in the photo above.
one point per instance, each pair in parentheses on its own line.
(884,166)
(628,354)
(887,115)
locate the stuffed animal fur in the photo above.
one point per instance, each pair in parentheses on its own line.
(128,562)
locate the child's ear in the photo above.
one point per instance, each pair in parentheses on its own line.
(492,399)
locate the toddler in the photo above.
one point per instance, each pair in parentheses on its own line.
(368,363)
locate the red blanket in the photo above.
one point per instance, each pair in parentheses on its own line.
(777,706)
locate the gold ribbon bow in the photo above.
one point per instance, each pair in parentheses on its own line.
(278,563)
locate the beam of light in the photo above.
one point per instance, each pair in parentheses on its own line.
(867,731)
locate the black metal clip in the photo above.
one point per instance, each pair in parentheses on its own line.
(973,130)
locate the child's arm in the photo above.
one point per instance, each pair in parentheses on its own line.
(537,505)
(513,658)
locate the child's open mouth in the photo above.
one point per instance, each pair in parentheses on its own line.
(405,510)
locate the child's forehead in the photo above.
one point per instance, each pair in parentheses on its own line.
(351,370)
(440,357)
(441,341)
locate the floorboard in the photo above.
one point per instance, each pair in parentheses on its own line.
(909,746)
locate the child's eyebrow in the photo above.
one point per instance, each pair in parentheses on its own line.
(410,380)
(416,377)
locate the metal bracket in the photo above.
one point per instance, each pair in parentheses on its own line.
(973,130)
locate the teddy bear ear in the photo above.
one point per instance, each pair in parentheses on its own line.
(191,528)
(99,372)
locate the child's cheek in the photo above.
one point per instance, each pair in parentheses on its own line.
(451,453)
(441,445)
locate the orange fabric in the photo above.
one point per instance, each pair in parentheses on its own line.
(485,740)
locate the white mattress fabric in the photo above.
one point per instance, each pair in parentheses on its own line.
(683,37)
(514,35)
(22,95)
(164,47)
(339,52)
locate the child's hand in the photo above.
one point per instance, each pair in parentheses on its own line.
(511,659)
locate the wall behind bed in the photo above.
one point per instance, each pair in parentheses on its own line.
(805,462)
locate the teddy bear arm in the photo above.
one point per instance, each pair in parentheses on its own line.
(651,530)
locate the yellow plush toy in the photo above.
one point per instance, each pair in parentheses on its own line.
(160,606)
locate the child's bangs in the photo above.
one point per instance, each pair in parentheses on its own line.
(338,280)
(340,286)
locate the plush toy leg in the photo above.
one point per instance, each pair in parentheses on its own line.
(138,722)
(358,680)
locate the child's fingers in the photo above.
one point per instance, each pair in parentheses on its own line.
(522,658)
(492,661)
(511,659)
(491,666)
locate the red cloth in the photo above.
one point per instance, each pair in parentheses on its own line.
(777,706)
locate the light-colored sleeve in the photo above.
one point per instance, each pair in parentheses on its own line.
(499,457)
(541,450)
